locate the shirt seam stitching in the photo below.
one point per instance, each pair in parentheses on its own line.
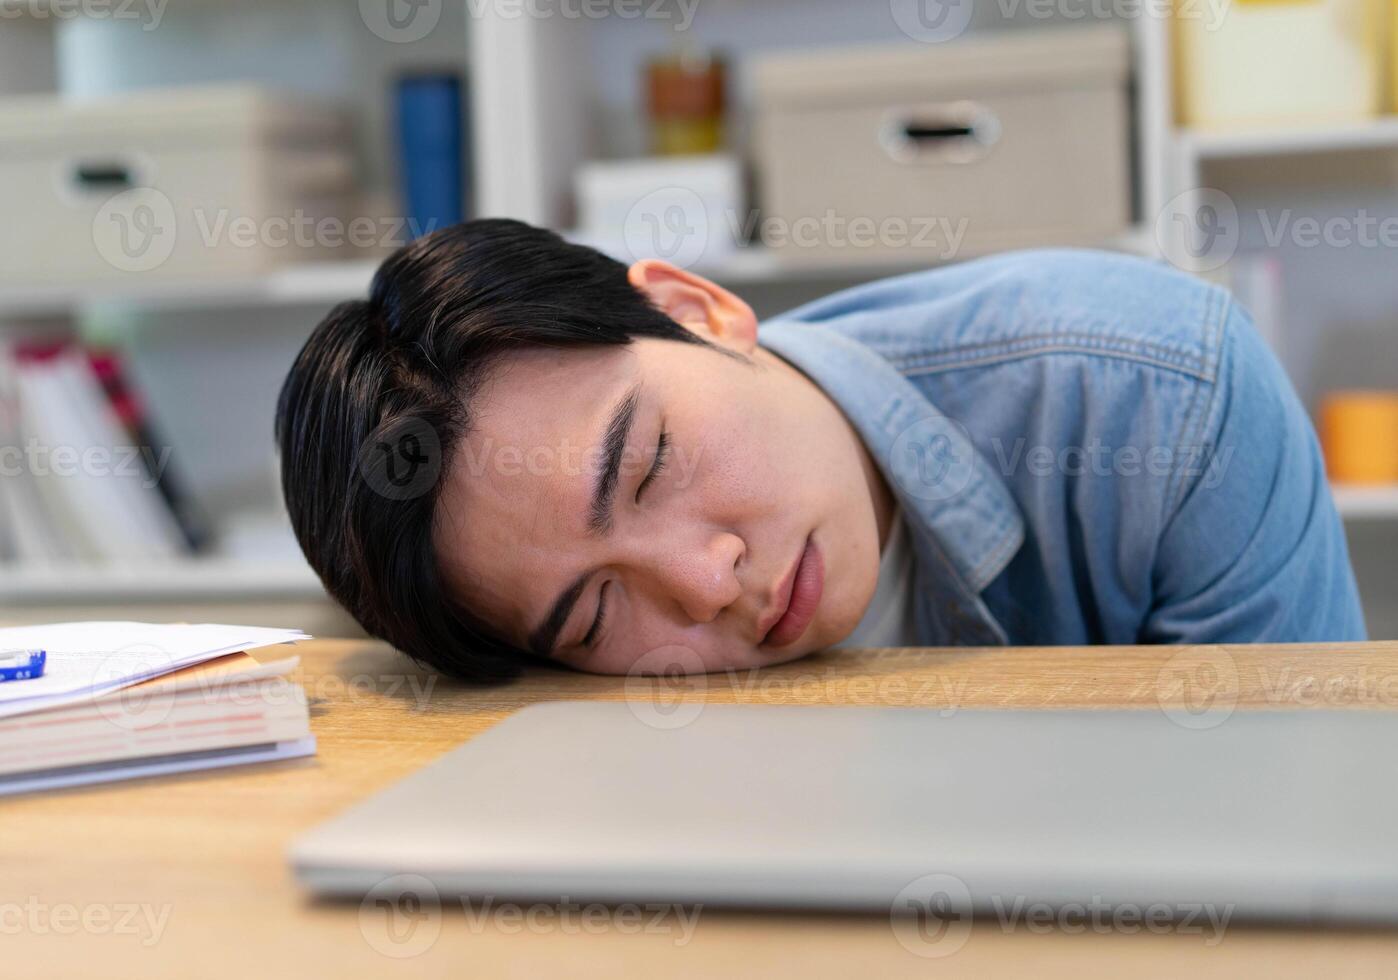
(1201,406)
(1007,356)
(1005,546)
(926,360)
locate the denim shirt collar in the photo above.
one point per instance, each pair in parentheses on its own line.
(965,522)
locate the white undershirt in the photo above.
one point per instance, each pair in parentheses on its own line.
(889,620)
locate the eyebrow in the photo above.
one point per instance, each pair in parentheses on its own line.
(599,521)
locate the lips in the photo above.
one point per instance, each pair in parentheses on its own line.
(798,598)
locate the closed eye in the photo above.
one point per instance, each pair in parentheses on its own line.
(596,629)
(662,455)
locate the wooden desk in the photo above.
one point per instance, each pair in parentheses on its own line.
(206,851)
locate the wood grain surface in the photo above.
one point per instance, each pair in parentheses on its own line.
(186,876)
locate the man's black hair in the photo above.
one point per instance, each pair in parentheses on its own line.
(379,398)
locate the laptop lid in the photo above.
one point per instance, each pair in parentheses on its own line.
(1270,814)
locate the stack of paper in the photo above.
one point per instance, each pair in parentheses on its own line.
(120,700)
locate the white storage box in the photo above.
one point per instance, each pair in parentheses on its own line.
(937,152)
(183,184)
(687,210)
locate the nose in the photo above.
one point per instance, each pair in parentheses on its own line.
(702,577)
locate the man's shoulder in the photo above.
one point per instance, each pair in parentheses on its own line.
(1033,303)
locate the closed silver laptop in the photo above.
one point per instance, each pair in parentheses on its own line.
(1285,815)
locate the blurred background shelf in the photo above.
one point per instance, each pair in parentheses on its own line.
(1366,503)
(204,578)
(326,283)
(304,284)
(1373,134)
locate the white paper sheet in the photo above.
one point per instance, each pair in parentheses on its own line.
(93,658)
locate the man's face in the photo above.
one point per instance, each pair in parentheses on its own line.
(741,527)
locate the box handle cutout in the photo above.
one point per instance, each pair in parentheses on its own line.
(954,132)
(102,176)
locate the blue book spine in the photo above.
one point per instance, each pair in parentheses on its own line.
(430,151)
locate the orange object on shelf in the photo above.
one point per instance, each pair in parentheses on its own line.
(685,102)
(1359,434)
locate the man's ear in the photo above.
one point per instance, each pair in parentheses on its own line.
(697,304)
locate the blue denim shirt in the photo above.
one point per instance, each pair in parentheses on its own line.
(1088,448)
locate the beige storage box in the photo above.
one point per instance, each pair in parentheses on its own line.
(940,152)
(187,184)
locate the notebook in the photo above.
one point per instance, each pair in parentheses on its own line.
(138,715)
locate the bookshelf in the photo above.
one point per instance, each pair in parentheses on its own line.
(309,284)
(1366,503)
(202,578)
(536,86)
(1376,134)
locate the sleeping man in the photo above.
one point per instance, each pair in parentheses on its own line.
(519,449)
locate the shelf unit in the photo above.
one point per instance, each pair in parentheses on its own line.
(1366,503)
(1175,160)
(531,79)
(1370,134)
(309,283)
(196,578)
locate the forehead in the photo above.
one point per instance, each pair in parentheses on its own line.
(517,494)
(535,395)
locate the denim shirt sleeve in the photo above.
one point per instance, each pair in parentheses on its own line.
(1254,550)
(1132,464)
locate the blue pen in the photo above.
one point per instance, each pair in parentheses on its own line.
(22,665)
